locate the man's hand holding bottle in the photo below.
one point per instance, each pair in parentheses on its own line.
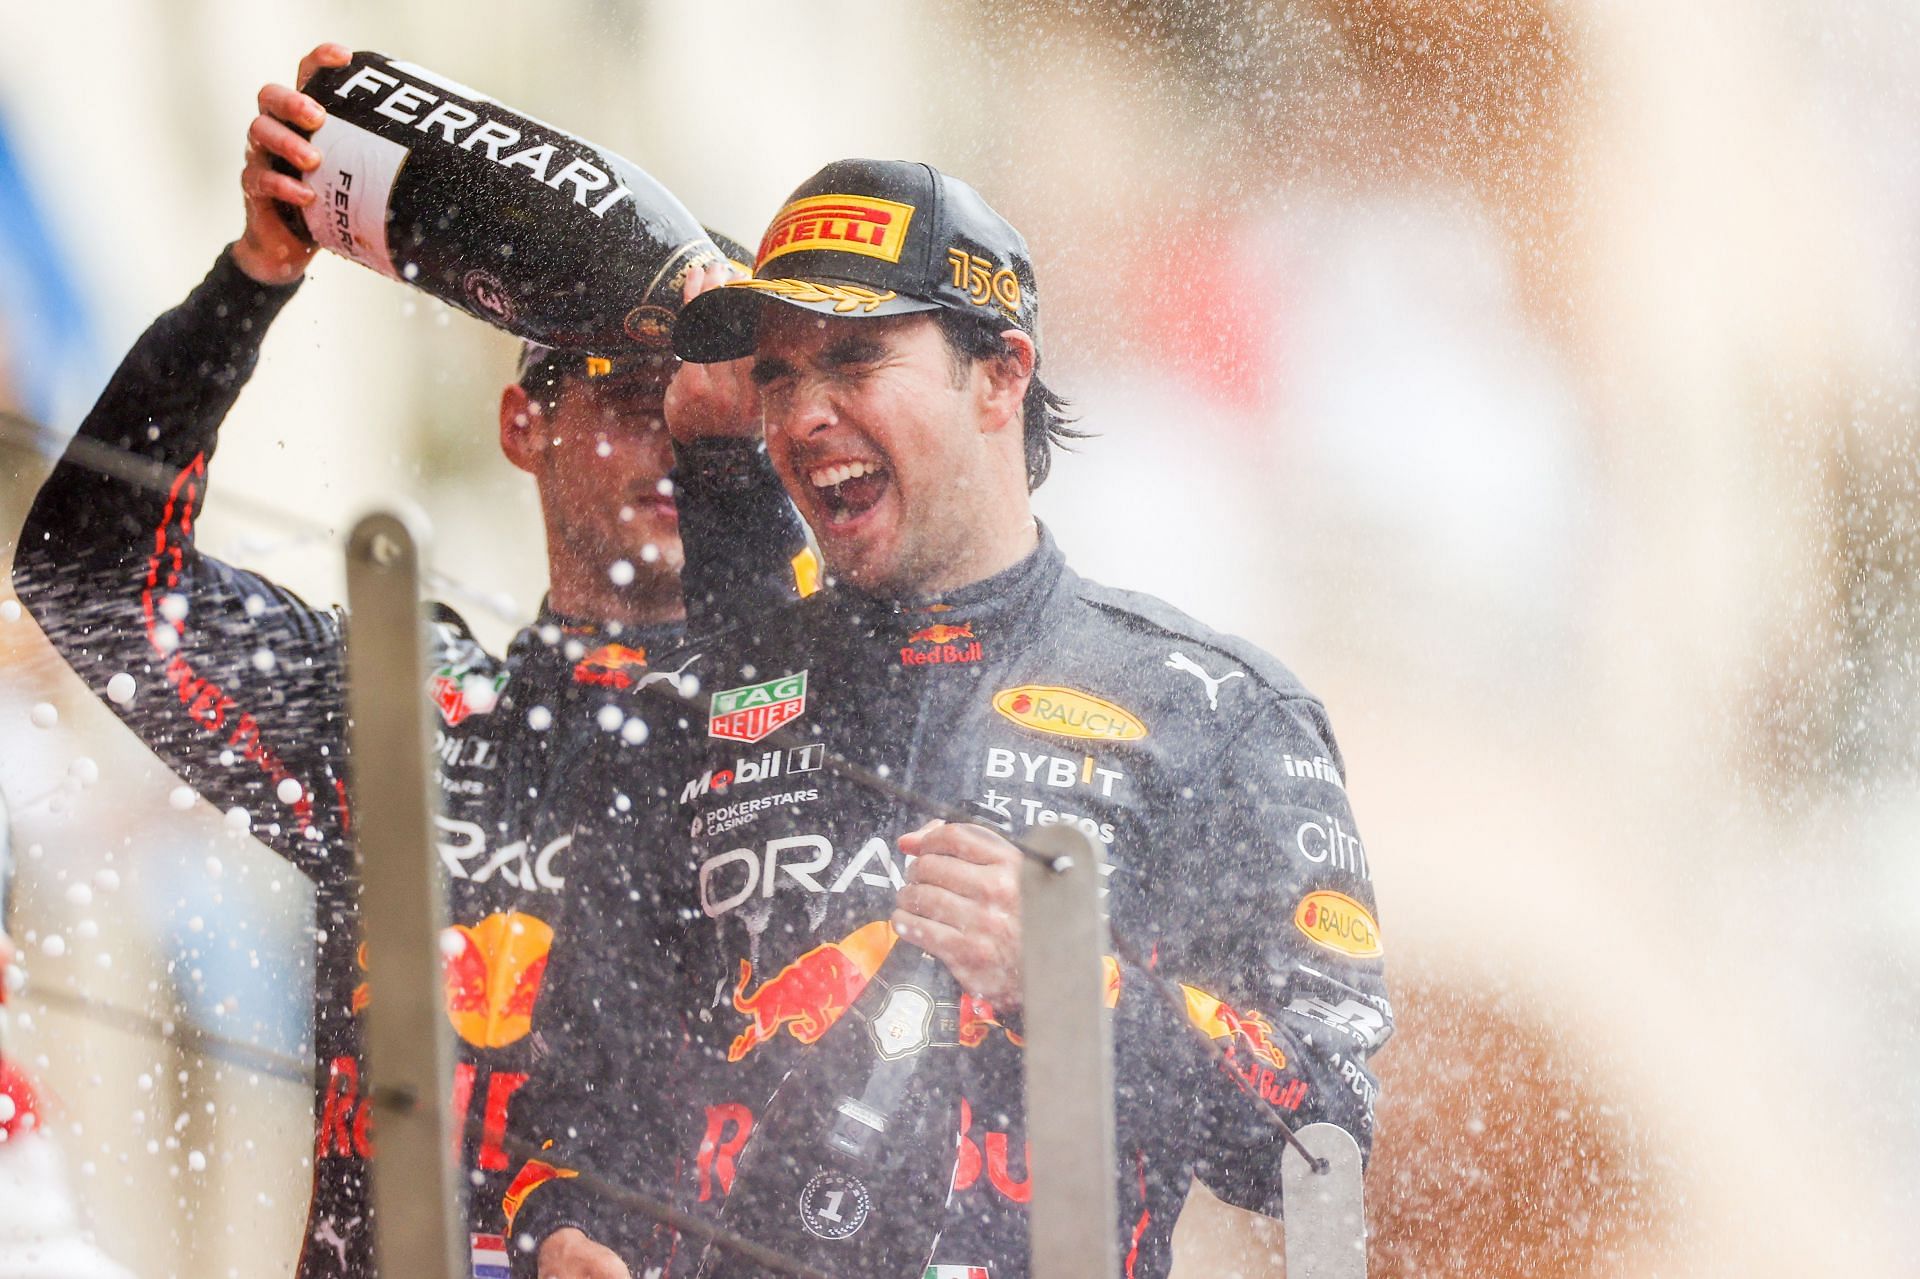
(269,250)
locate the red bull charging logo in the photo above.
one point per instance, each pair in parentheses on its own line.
(810,994)
(493,970)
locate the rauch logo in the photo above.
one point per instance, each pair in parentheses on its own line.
(1339,923)
(1065,712)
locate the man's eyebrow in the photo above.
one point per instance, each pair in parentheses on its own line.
(853,349)
(769,369)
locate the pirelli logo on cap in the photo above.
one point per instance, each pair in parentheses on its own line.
(841,224)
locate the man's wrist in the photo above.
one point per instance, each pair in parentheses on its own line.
(263,269)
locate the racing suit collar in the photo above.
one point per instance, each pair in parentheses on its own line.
(1024,585)
(551,630)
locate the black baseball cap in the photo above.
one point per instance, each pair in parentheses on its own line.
(872,237)
(546,364)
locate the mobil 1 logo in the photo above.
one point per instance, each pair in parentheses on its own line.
(764,767)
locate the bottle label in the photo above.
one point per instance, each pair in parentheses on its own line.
(353,182)
(904,1024)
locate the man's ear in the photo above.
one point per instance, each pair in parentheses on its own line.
(1006,377)
(523,436)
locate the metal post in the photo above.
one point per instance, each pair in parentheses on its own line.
(416,1191)
(1326,1210)
(1073,1216)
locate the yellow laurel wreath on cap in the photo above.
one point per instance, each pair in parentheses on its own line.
(845,297)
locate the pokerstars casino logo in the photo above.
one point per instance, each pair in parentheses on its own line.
(750,712)
(1066,712)
(1338,923)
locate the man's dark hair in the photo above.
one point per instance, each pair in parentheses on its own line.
(1044,418)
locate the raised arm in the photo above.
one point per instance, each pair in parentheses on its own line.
(230,678)
(746,549)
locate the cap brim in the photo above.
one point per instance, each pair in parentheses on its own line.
(719,324)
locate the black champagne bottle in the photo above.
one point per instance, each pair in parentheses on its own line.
(851,1163)
(523,225)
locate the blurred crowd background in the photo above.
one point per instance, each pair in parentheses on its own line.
(1537,379)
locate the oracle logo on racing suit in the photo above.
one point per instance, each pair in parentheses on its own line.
(729,879)
(465,843)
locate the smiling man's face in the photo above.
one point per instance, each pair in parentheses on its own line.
(877,436)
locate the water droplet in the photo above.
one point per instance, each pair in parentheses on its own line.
(603,449)
(106,880)
(84,770)
(196,1161)
(173,607)
(539,719)
(238,820)
(6,1108)
(165,638)
(634,731)
(120,689)
(650,553)
(181,798)
(10,610)
(621,573)
(288,791)
(263,660)
(79,895)
(44,715)
(53,945)
(609,718)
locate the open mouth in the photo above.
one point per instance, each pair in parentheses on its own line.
(848,490)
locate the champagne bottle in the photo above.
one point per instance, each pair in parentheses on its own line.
(851,1162)
(516,222)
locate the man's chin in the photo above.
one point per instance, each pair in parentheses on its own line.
(642,560)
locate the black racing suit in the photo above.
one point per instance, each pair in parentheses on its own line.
(240,688)
(1206,772)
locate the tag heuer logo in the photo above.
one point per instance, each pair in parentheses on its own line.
(749,713)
